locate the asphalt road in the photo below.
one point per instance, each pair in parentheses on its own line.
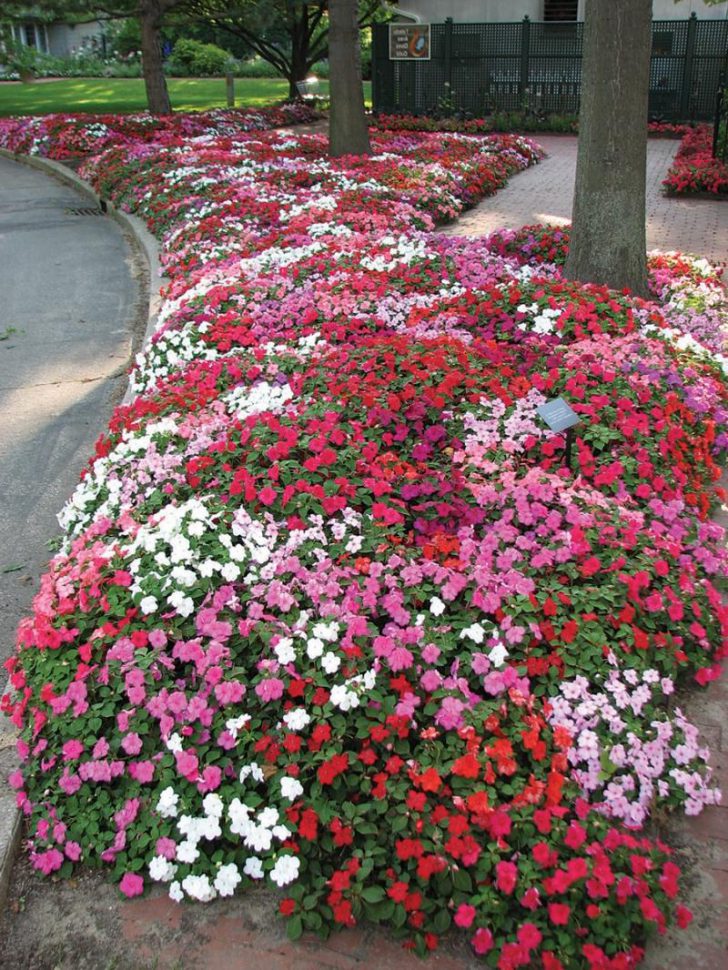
(70,297)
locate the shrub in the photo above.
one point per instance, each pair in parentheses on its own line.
(191,58)
(255,67)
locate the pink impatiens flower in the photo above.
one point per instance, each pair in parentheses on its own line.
(131,884)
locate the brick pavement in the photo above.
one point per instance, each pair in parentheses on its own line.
(545,193)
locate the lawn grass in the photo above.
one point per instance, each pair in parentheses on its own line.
(121,95)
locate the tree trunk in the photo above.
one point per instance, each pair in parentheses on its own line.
(299,51)
(608,242)
(150,20)
(348,131)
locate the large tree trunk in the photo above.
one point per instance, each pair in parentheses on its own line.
(348,131)
(150,19)
(608,241)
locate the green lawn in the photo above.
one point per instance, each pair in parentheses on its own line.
(112,95)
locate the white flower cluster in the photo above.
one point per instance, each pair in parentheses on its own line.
(260,830)
(107,474)
(244,401)
(538,319)
(686,342)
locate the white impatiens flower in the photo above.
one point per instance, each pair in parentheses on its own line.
(227,879)
(498,654)
(167,804)
(474,632)
(212,804)
(149,605)
(174,742)
(253,867)
(314,648)
(437,607)
(230,572)
(161,869)
(343,698)
(291,788)
(297,719)
(326,631)
(285,654)
(285,870)
(268,817)
(184,605)
(187,852)
(253,770)
(258,838)
(198,887)
(175,892)
(330,662)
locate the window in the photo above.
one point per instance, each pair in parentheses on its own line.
(29,35)
(560,10)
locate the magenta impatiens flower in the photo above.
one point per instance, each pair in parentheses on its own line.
(131,884)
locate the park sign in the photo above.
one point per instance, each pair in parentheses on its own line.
(559,417)
(409,42)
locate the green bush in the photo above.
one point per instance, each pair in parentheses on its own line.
(255,67)
(79,65)
(190,58)
(320,69)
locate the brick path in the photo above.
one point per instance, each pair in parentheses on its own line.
(545,193)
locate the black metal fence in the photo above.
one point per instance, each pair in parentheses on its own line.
(481,68)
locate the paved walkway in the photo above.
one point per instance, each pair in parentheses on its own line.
(66,314)
(82,924)
(545,193)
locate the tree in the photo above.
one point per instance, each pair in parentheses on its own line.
(348,130)
(608,241)
(292,35)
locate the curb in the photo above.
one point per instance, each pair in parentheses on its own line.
(146,245)
(10,818)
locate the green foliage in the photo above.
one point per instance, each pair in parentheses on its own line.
(255,67)
(190,58)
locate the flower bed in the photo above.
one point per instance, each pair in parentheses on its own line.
(330,611)
(694,170)
(64,136)
(509,121)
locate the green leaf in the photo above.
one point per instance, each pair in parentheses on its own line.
(373,894)
(462,881)
(441,922)
(294,928)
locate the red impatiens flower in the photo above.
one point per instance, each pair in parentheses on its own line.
(506,876)
(332,768)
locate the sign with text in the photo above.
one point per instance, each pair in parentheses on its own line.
(409,42)
(558,415)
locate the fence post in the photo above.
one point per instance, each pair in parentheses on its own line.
(447,62)
(687,84)
(719,98)
(525,56)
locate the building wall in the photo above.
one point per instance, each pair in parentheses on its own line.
(485,11)
(67,39)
